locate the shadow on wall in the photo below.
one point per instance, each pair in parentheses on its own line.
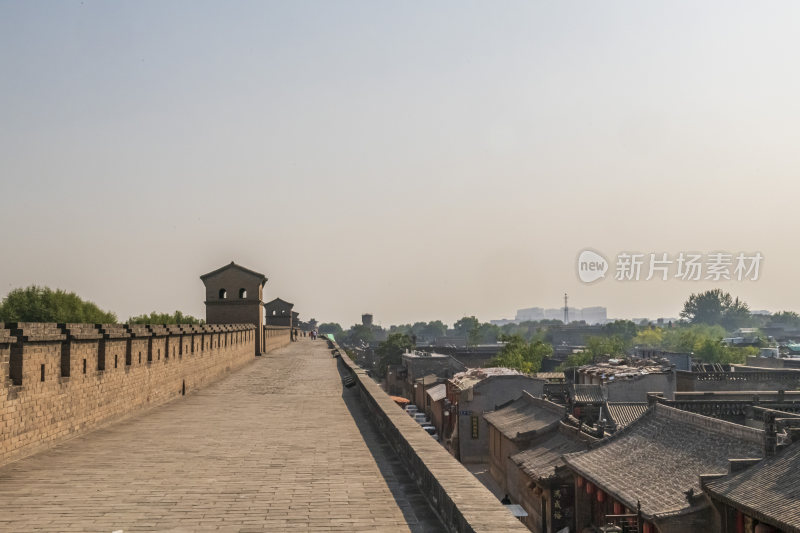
(419,515)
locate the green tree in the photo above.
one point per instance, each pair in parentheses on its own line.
(575,359)
(435,328)
(400,328)
(613,346)
(713,351)
(359,333)
(688,338)
(785,318)
(715,307)
(625,329)
(522,355)
(42,304)
(331,327)
(389,352)
(165,318)
(488,333)
(652,337)
(468,327)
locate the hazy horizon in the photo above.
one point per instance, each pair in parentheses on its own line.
(415,161)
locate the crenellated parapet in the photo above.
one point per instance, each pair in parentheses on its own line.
(62,379)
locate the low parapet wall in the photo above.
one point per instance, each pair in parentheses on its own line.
(462,502)
(276,337)
(741,378)
(59,381)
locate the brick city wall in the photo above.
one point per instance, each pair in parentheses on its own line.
(461,501)
(59,381)
(276,337)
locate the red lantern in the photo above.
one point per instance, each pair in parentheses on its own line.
(618,508)
(601,496)
(589,488)
(580,482)
(648,528)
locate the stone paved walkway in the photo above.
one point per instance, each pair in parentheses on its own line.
(277,446)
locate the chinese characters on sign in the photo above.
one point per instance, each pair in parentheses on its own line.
(474,427)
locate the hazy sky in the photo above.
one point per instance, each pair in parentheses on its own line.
(416,160)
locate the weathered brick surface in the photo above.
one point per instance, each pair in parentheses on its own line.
(61,380)
(276,337)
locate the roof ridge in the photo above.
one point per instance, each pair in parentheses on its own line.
(711,424)
(240,267)
(541,402)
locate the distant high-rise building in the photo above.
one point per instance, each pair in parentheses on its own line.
(591,315)
(532,313)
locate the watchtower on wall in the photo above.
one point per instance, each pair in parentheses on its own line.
(233,296)
(279,312)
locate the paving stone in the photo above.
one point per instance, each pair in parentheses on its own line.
(279,445)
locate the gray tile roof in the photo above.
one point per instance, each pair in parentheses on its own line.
(661,456)
(525,417)
(586,394)
(438,392)
(621,414)
(768,491)
(541,460)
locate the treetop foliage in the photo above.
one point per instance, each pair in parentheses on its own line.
(165,318)
(42,304)
(716,308)
(522,355)
(330,327)
(390,351)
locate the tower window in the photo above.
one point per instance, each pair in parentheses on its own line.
(242,293)
(223,294)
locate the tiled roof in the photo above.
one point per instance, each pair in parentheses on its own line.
(525,417)
(586,393)
(439,392)
(615,371)
(262,277)
(661,456)
(621,414)
(768,491)
(540,461)
(471,376)
(550,375)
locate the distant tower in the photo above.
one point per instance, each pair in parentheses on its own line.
(566,310)
(233,296)
(366,319)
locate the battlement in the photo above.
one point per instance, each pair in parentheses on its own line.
(59,380)
(741,378)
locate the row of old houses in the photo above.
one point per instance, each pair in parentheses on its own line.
(623,445)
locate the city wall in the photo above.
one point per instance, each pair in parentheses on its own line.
(59,381)
(276,337)
(461,501)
